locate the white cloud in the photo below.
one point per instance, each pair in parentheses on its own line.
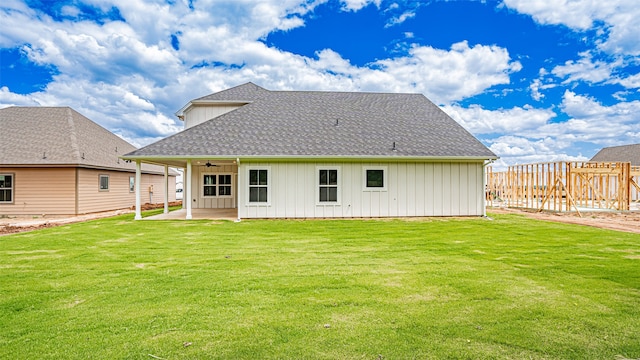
(355,5)
(620,17)
(401,18)
(535,136)
(69,10)
(536,86)
(521,150)
(511,121)
(7,98)
(128,77)
(615,124)
(445,76)
(629,82)
(585,69)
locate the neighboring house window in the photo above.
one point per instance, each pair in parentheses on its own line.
(258,186)
(216,185)
(104,182)
(6,188)
(328,185)
(375,178)
(132,183)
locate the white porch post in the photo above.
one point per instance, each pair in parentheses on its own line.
(166,189)
(184,174)
(138,176)
(186,185)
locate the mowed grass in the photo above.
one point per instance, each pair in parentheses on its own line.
(474,288)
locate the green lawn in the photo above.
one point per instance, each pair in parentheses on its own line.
(452,288)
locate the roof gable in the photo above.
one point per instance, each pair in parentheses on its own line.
(316,124)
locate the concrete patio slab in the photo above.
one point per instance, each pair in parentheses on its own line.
(198,214)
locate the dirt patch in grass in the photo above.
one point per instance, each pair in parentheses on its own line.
(628,221)
(22,224)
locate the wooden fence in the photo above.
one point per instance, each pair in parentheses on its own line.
(565,186)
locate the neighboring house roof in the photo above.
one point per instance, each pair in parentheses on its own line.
(625,153)
(321,124)
(60,136)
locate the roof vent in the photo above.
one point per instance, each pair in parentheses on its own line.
(337,122)
(44,155)
(394,146)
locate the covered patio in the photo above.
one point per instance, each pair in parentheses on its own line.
(190,164)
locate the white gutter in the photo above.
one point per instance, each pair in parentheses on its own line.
(152,158)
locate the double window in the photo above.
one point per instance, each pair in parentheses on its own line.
(216,185)
(328,185)
(6,188)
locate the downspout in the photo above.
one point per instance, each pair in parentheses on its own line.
(166,189)
(186,185)
(484,186)
(138,176)
(238,192)
(77,207)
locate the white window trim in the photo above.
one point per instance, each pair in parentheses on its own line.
(384,178)
(217,185)
(100,182)
(338,186)
(269,187)
(13,188)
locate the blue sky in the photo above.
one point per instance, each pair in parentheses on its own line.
(534,80)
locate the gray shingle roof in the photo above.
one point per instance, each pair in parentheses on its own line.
(40,136)
(625,153)
(247,92)
(316,124)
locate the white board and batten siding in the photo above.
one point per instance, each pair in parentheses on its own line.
(199,114)
(198,198)
(412,189)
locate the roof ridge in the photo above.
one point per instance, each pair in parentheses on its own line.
(247,84)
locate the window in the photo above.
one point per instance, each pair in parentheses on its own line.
(328,185)
(224,187)
(104,182)
(258,186)
(375,178)
(216,185)
(6,188)
(132,183)
(209,185)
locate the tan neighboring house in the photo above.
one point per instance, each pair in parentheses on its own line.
(55,161)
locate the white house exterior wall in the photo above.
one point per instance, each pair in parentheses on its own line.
(199,114)
(412,189)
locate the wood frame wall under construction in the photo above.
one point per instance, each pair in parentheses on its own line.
(565,186)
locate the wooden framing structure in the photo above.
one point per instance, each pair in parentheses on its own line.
(565,186)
